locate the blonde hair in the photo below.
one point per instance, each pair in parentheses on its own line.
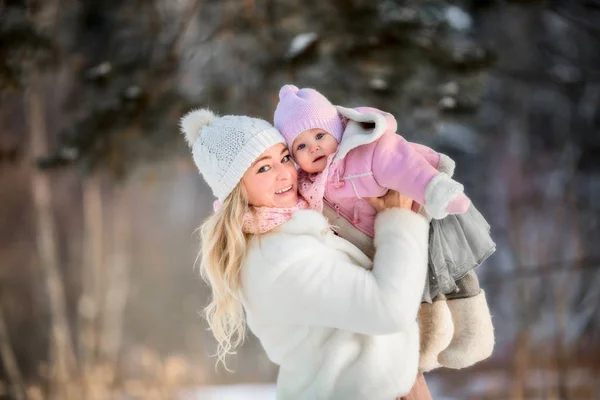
(223,250)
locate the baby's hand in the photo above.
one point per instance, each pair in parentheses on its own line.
(459,205)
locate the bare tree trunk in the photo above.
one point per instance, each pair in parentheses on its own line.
(10,363)
(187,20)
(520,367)
(115,296)
(62,356)
(91,275)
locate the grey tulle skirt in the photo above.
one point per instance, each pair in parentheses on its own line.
(457,245)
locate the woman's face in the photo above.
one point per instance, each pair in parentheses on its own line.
(272,181)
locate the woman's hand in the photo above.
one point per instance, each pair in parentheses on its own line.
(393,199)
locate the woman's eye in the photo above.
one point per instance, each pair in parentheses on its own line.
(300,146)
(320,136)
(285,159)
(264,168)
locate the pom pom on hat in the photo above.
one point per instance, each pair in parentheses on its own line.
(224,148)
(192,123)
(287,89)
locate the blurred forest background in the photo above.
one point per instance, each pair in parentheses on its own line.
(99,198)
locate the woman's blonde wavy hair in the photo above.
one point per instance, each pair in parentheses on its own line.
(223,249)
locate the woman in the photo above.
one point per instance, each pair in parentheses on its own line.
(339,325)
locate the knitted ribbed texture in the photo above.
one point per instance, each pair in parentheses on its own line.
(226,147)
(259,220)
(302,109)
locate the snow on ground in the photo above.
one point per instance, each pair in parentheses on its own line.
(231,392)
(261,392)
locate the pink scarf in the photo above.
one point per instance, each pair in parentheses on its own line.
(263,219)
(312,186)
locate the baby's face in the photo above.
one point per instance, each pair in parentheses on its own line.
(312,148)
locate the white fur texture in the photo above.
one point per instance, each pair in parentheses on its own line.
(436,329)
(355,135)
(337,330)
(473,339)
(440,191)
(192,123)
(446,165)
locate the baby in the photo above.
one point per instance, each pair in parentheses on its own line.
(347,155)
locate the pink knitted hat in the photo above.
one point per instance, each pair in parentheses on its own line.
(302,109)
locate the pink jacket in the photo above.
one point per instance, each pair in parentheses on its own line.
(371,158)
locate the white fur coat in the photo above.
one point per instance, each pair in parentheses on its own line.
(337,329)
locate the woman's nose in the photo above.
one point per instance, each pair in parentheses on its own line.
(283,173)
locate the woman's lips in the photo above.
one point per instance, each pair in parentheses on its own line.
(285,191)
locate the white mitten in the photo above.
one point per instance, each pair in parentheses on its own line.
(444,196)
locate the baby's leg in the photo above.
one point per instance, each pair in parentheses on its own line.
(436,330)
(473,339)
(468,286)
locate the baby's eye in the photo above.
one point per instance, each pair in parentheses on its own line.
(300,146)
(285,159)
(320,136)
(264,168)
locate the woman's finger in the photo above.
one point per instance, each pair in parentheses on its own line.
(415,207)
(376,202)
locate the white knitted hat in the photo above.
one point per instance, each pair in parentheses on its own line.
(225,147)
